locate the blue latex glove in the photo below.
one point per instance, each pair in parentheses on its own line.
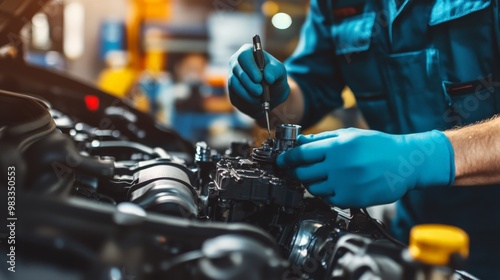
(360,168)
(245,78)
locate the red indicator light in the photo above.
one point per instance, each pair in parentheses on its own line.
(92,102)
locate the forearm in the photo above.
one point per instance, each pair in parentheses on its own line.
(289,112)
(477,153)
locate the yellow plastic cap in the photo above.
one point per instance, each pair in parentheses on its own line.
(434,244)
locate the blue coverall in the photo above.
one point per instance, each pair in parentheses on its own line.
(413,66)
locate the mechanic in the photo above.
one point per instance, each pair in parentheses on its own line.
(417,68)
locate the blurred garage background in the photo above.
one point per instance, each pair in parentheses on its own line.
(170,57)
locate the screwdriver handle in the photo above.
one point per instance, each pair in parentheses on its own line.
(258,53)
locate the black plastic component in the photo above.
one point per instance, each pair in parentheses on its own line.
(48,156)
(358,257)
(241,179)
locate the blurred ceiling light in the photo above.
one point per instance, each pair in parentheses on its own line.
(53,58)
(282,20)
(270,8)
(41,31)
(74,17)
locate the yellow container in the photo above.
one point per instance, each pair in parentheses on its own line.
(434,244)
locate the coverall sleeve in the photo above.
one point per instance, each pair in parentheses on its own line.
(313,65)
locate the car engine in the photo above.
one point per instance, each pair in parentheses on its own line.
(97,202)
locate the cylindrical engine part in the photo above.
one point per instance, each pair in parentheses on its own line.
(203,152)
(166,189)
(286,136)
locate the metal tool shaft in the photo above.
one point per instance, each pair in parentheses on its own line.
(258,54)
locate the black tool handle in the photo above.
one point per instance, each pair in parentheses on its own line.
(258,53)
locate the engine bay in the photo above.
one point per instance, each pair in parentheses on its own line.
(97,203)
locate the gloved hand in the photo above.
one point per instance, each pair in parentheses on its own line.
(360,168)
(245,78)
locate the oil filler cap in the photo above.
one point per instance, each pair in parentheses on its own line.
(436,244)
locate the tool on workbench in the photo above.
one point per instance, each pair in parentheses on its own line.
(258,55)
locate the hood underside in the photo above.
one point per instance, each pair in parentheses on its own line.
(14,14)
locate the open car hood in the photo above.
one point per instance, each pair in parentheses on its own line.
(14,14)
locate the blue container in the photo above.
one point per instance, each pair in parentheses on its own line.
(112,37)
